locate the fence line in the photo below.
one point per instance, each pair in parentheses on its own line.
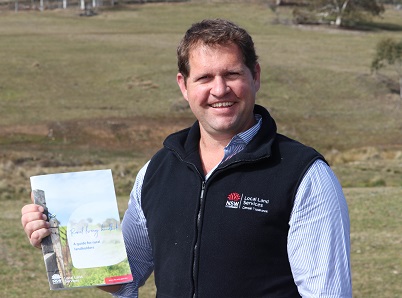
(64,4)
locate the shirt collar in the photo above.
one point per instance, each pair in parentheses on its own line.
(239,142)
(246,136)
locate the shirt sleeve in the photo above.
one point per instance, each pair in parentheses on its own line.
(138,246)
(319,236)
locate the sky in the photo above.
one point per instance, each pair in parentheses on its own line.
(86,194)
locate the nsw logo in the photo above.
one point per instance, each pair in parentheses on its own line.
(56,279)
(233,200)
(246,202)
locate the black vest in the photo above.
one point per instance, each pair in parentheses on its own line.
(226,237)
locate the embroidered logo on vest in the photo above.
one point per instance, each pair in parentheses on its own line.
(244,202)
(233,200)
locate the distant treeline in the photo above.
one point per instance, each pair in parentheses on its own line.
(82,4)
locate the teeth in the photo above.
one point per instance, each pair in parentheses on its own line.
(222,104)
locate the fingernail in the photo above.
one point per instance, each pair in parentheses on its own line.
(41,209)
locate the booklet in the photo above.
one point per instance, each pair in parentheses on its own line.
(86,246)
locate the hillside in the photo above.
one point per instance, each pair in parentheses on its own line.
(99,92)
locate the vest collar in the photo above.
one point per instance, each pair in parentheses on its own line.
(185,142)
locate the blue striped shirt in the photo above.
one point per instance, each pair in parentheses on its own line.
(318,239)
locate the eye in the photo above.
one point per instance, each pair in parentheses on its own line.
(203,79)
(233,75)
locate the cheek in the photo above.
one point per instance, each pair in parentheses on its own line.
(242,90)
(197,94)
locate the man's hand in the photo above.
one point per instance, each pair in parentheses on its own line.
(111,288)
(34,223)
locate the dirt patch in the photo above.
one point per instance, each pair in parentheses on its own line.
(138,133)
(121,144)
(364,154)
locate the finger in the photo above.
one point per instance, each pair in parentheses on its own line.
(32,208)
(35,225)
(36,230)
(30,213)
(37,237)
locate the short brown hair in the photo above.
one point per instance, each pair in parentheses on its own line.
(215,32)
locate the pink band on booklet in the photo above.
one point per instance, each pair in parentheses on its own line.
(118,279)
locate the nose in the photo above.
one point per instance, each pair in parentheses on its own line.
(219,87)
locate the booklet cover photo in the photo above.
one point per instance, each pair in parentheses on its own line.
(86,246)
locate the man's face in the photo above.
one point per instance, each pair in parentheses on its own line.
(220,89)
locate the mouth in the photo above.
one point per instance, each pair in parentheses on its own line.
(225,104)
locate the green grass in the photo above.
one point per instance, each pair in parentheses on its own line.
(91,93)
(376,241)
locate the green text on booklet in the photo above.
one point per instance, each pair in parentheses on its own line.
(86,246)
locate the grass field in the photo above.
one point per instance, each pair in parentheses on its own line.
(99,92)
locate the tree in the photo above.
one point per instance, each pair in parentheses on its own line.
(352,9)
(340,11)
(389,51)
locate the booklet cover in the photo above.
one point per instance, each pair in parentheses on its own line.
(86,246)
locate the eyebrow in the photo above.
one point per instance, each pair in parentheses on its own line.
(236,70)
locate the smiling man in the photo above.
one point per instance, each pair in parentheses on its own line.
(221,91)
(229,207)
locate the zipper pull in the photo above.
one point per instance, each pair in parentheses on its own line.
(202,190)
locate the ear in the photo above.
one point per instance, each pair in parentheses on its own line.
(257,77)
(181,81)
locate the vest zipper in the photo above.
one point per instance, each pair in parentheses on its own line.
(195,255)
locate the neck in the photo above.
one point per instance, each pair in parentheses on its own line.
(212,142)
(211,150)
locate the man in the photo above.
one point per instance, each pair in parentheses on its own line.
(229,207)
